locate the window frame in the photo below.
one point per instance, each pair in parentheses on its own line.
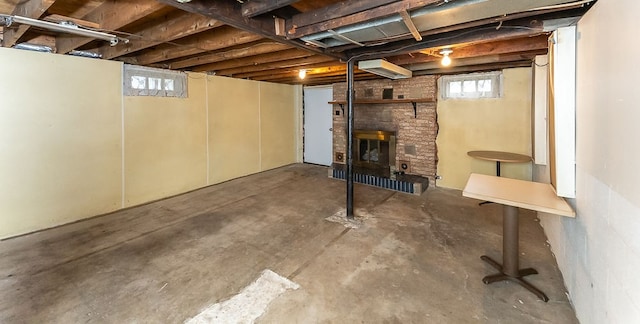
(495,77)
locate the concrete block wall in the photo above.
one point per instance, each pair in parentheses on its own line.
(415,136)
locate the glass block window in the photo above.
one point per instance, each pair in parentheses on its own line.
(144,81)
(471,86)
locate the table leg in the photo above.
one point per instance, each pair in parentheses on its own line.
(509,270)
(497,174)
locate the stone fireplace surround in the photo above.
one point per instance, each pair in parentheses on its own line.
(415,135)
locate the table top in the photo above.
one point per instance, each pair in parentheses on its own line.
(519,193)
(499,156)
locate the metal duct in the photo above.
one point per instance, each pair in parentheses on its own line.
(33,47)
(86,54)
(447,13)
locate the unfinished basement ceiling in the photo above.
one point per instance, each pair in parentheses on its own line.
(271,40)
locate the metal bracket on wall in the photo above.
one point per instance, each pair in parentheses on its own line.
(415,110)
(342,107)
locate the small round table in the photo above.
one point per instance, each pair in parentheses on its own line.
(498,157)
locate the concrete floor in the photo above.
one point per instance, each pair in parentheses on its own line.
(416,259)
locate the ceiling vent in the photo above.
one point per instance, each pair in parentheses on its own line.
(385,69)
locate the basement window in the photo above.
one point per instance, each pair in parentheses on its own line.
(144,81)
(471,86)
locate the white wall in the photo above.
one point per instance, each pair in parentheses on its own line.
(599,251)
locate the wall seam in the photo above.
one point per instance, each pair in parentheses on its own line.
(260,127)
(206,108)
(122,141)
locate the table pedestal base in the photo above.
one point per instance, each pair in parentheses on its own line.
(510,269)
(517,278)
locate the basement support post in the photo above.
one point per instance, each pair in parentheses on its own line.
(349,139)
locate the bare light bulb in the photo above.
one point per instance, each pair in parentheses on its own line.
(446,60)
(302,73)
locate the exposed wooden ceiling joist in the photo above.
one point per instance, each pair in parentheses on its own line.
(282,63)
(237,38)
(342,8)
(111,15)
(179,26)
(526,44)
(255,61)
(230,13)
(55,18)
(244,50)
(368,14)
(30,9)
(508,30)
(284,70)
(331,70)
(406,18)
(257,7)
(216,39)
(474,68)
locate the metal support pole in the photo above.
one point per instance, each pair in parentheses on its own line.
(349,139)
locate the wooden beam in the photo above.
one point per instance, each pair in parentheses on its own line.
(323,78)
(228,11)
(257,7)
(323,71)
(480,60)
(111,15)
(342,8)
(406,18)
(523,44)
(474,68)
(374,13)
(220,37)
(243,50)
(30,9)
(255,60)
(284,70)
(179,26)
(59,18)
(277,64)
(509,30)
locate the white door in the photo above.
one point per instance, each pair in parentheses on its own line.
(318,123)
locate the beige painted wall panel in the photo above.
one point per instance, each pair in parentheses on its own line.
(502,124)
(234,128)
(165,144)
(277,125)
(60,139)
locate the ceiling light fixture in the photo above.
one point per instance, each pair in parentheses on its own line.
(385,69)
(446,60)
(302,73)
(64,27)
